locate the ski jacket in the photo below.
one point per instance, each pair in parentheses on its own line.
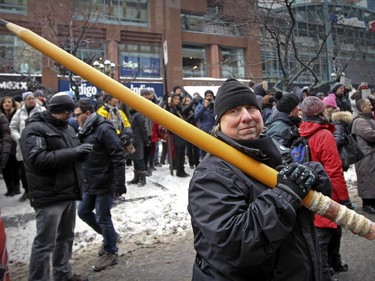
(104,167)
(52,164)
(244,230)
(18,123)
(364,128)
(323,149)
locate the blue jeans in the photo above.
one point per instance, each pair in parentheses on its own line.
(101,220)
(54,234)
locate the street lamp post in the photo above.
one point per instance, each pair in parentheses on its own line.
(107,67)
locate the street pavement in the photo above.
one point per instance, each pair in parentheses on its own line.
(357,251)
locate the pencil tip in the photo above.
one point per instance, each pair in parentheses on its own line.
(3,22)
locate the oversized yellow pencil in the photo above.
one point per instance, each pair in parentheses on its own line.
(315,201)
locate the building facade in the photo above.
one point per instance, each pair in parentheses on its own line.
(162,43)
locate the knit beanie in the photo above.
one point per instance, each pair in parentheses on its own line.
(26,94)
(208,92)
(312,106)
(286,102)
(144,91)
(61,103)
(330,100)
(107,98)
(336,87)
(231,94)
(260,89)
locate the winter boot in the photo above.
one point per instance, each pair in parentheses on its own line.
(24,197)
(142,178)
(135,180)
(16,189)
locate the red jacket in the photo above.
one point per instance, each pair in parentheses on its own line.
(323,149)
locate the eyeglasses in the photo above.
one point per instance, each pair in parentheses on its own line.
(76,115)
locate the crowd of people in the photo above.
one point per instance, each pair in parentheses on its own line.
(61,151)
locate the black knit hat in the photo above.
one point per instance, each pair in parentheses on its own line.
(286,102)
(231,94)
(336,87)
(107,98)
(61,103)
(208,92)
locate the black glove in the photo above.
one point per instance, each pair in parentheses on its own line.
(127,136)
(322,181)
(347,203)
(120,189)
(4,160)
(85,148)
(298,178)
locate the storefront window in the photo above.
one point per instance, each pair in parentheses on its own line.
(139,60)
(194,61)
(18,57)
(13,7)
(89,55)
(232,63)
(129,12)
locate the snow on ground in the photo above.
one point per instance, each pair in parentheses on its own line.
(148,215)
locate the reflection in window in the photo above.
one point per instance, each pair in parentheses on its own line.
(130,12)
(89,55)
(13,6)
(140,61)
(232,63)
(194,61)
(18,57)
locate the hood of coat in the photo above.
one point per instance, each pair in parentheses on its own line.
(308,128)
(344,116)
(92,121)
(46,116)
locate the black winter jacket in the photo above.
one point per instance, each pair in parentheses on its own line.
(246,231)
(52,164)
(104,167)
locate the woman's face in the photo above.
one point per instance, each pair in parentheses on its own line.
(176,100)
(29,101)
(242,123)
(7,104)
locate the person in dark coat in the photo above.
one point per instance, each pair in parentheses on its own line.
(343,123)
(5,144)
(204,114)
(318,130)
(268,102)
(283,126)
(178,143)
(364,128)
(342,100)
(11,171)
(104,176)
(53,163)
(242,229)
(193,152)
(141,141)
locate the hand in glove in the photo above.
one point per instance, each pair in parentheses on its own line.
(4,160)
(85,148)
(347,203)
(298,178)
(120,189)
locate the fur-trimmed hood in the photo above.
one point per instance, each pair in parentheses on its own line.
(344,116)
